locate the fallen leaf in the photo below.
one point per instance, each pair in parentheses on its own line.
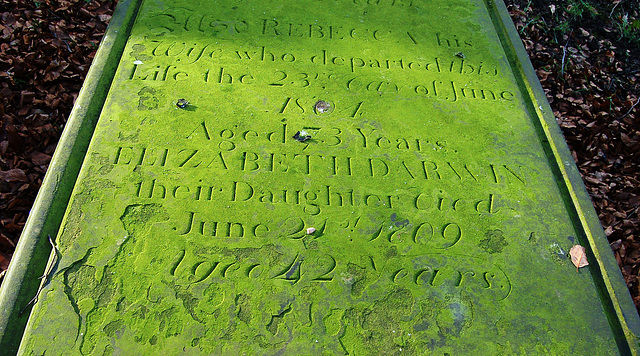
(6,243)
(578,256)
(39,158)
(4,261)
(13,175)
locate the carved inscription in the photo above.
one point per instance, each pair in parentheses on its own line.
(315,164)
(356,184)
(322,177)
(221,229)
(332,66)
(412,303)
(190,21)
(427,271)
(448,90)
(330,60)
(311,200)
(325,59)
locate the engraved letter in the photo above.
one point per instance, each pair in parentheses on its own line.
(187,225)
(241,191)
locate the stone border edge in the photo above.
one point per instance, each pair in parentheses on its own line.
(22,280)
(626,315)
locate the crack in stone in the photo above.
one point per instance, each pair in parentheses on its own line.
(68,291)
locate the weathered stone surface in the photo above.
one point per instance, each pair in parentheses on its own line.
(326,177)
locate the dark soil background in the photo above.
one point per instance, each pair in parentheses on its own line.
(586,54)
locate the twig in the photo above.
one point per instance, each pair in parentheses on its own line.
(564,53)
(56,15)
(610,83)
(629,112)
(614,7)
(45,276)
(67,43)
(63,41)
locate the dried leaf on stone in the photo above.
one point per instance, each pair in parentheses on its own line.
(578,256)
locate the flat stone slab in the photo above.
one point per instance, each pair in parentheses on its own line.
(321,177)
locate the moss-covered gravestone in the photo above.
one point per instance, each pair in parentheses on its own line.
(313,177)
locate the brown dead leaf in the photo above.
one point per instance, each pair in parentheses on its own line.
(578,256)
(6,244)
(39,158)
(13,175)
(4,261)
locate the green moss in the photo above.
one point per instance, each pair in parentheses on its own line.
(493,242)
(114,328)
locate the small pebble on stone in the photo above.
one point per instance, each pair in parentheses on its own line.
(182,103)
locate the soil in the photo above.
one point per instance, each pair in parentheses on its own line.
(586,54)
